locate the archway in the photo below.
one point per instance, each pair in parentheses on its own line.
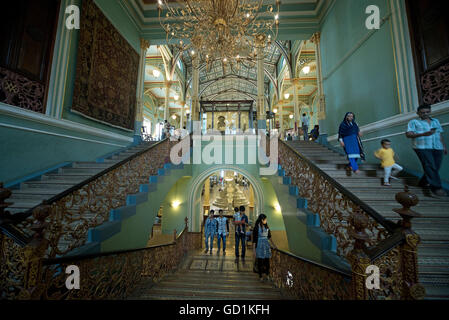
(197,185)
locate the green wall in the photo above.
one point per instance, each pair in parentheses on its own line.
(136,230)
(298,242)
(29,146)
(126,28)
(365,83)
(360,75)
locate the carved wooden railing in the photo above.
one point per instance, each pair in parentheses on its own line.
(73,212)
(363,236)
(113,275)
(331,201)
(307,280)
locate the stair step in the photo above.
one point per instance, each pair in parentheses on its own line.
(80,171)
(76,178)
(101,166)
(48,184)
(187,293)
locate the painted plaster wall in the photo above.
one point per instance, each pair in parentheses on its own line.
(136,230)
(298,242)
(365,82)
(123,24)
(23,152)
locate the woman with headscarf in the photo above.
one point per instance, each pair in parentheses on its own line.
(261,238)
(349,136)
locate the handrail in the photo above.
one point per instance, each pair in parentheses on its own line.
(388,225)
(8,225)
(327,268)
(17,218)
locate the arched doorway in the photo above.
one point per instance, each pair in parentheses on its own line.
(195,207)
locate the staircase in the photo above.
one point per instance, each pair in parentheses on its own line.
(210,277)
(32,193)
(432,227)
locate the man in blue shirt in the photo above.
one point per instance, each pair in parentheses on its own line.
(222,231)
(240,222)
(210,229)
(429,146)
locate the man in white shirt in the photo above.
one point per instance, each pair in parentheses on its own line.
(305,119)
(429,146)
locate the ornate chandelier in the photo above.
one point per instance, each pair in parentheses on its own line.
(226,30)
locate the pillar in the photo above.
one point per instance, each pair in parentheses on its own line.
(144,45)
(195,94)
(182,114)
(297,119)
(261,116)
(167,101)
(281,121)
(320,92)
(206,199)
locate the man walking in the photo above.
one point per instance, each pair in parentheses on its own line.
(240,222)
(428,144)
(210,229)
(222,231)
(305,119)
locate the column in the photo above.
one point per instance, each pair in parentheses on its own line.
(296,105)
(195,89)
(182,114)
(167,101)
(240,118)
(206,199)
(281,121)
(144,45)
(320,93)
(261,116)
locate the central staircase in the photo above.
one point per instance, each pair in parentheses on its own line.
(210,277)
(432,227)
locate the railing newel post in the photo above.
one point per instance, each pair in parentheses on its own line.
(411,289)
(357,257)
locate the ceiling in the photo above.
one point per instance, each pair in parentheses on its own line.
(299,19)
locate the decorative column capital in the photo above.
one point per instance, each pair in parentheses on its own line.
(168,84)
(316,37)
(144,44)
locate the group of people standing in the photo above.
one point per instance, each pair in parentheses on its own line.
(261,236)
(427,142)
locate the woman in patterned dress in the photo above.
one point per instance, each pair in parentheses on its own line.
(261,239)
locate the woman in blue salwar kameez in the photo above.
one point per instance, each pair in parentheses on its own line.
(349,136)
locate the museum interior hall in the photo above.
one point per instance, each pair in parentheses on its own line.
(224,149)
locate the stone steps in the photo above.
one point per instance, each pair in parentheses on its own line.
(433,226)
(209,285)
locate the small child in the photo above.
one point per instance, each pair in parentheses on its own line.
(386,154)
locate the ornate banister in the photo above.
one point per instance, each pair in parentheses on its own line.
(363,236)
(109,275)
(88,204)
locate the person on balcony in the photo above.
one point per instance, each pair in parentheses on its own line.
(210,229)
(349,136)
(429,146)
(222,231)
(305,120)
(261,248)
(315,133)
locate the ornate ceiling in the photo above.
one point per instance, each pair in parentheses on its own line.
(299,19)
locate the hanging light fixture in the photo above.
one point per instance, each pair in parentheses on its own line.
(306,70)
(156,73)
(286,96)
(225,30)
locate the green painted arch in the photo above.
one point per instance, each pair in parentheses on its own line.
(198,182)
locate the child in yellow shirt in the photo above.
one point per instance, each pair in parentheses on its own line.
(386,155)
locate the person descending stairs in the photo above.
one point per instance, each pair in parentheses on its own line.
(203,276)
(432,227)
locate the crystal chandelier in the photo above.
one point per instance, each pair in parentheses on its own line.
(226,30)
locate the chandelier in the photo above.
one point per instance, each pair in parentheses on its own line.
(226,30)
